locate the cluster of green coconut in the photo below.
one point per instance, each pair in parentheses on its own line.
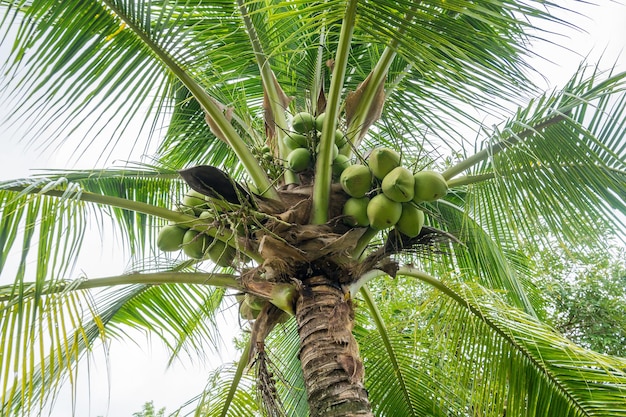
(384,194)
(303,144)
(195,244)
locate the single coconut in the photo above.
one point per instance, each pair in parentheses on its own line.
(195,201)
(303,122)
(383,212)
(334,151)
(356,180)
(340,163)
(429,186)
(399,185)
(319,121)
(170,238)
(355,210)
(340,139)
(382,160)
(299,159)
(221,254)
(207,215)
(411,220)
(295,141)
(196,243)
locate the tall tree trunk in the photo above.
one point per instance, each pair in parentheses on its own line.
(333,371)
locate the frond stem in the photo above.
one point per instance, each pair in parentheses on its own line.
(241,367)
(494,149)
(382,331)
(470,179)
(270,87)
(323,166)
(434,282)
(157,278)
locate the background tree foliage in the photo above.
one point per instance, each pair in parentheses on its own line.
(584,296)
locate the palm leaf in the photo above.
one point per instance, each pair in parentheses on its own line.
(472,353)
(559,163)
(217,394)
(62,221)
(58,329)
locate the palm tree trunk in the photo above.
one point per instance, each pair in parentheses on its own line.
(333,371)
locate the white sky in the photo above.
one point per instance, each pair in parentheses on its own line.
(138,373)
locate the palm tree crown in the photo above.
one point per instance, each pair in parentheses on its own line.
(424,307)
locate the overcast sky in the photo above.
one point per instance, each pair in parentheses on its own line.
(138,373)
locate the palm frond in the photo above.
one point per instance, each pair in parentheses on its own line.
(283,348)
(474,354)
(62,221)
(51,333)
(211,401)
(49,336)
(62,43)
(559,163)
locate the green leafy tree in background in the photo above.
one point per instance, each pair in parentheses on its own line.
(456,332)
(149,411)
(585,297)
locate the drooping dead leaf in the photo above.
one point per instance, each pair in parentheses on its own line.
(374,112)
(228,113)
(271,247)
(267,319)
(268,110)
(321,99)
(345,243)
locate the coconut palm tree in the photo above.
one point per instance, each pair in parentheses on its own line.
(352,311)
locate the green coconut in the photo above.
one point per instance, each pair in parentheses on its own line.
(299,159)
(399,185)
(355,210)
(383,212)
(334,151)
(340,163)
(319,121)
(303,122)
(429,186)
(295,141)
(221,254)
(170,238)
(382,160)
(196,243)
(340,139)
(195,201)
(356,180)
(246,312)
(254,302)
(345,149)
(411,220)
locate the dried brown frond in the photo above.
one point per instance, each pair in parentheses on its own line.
(266,385)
